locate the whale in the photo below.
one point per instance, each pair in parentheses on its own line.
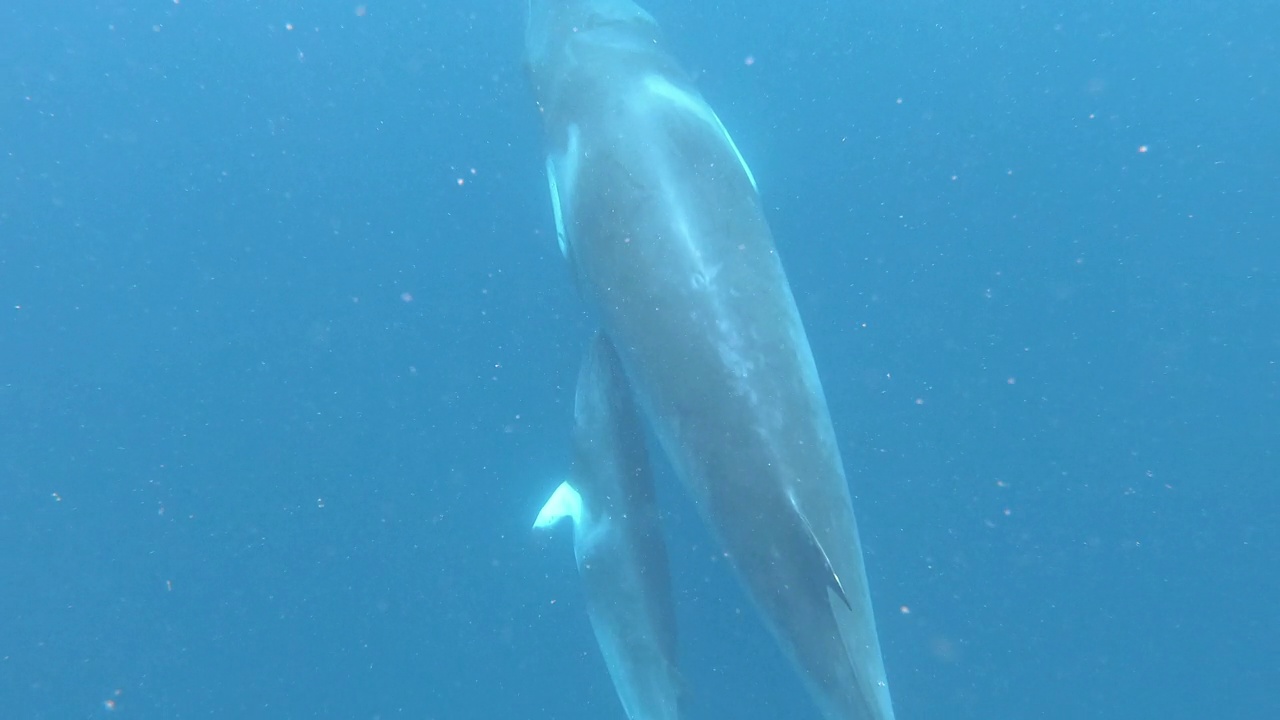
(659,218)
(618,542)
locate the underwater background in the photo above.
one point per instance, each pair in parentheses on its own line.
(287,353)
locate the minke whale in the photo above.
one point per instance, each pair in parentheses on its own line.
(659,218)
(617,540)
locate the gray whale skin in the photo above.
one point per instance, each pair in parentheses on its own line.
(659,218)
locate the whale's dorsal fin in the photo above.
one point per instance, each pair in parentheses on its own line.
(829,572)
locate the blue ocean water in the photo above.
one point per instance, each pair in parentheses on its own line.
(287,352)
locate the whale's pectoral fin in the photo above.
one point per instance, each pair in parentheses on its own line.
(562,178)
(690,102)
(565,502)
(819,556)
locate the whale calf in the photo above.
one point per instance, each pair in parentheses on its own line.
(618,543)
(658,216)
